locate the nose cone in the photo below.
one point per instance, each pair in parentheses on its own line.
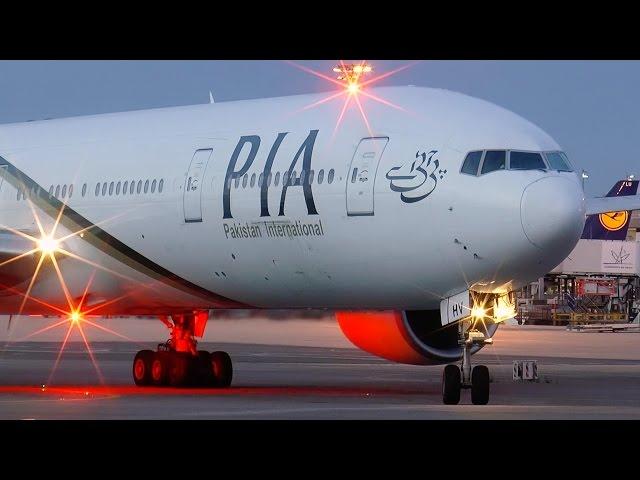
(553,214)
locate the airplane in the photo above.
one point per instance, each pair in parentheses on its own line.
(415,224)
(612,225)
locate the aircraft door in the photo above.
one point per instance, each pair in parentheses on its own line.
(362,175)
(192,200)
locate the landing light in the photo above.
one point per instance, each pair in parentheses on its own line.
(48,245)
(505,312)
(75,317)
(478,312)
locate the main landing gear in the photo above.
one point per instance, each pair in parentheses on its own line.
(455,378)
(177,363)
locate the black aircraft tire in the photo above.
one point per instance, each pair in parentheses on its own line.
(451,385)
(142,367)
(480,385)
(221,369)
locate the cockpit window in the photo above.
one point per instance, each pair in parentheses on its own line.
(471,163)
(526,161)
(494,160)
(558,161)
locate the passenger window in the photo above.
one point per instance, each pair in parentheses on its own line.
(139,186)
(558,161)
(269,180)
(104,189)
(118,188)
(70,190)
(260,180)
(277,180)
(97,189)
(51,190)
(153,186)
(320,176)
(64,191)
(471,163)
(57,195)
(293,177)
(160,185)
(310,178)
(237,182)
(245,179)
(330,176)
(132,187)
(146,186)
(125,187)
(285,178)
(18,195)
(354,175)
(494,160)
(253,180)
(84,189)
(111,189)
(526,161)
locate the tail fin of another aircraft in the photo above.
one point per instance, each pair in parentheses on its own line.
(612,225)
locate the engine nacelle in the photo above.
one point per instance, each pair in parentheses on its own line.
(413,337)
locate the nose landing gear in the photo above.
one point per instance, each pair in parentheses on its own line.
(455,378)
(178,363)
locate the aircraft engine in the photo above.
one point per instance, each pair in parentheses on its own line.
(412,337)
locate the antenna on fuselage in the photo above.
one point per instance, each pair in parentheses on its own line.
(211,100)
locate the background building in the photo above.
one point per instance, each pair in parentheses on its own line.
(599,282)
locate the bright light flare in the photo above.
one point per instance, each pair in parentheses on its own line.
(478,312)
(48,245)
(75,317)
(504,310)
(350,78)
(352,73)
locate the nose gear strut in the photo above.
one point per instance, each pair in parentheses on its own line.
(455,378)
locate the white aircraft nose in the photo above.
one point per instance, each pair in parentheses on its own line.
(553,213)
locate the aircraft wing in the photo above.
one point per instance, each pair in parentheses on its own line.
(612,204)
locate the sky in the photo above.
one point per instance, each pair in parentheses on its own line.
(591,108)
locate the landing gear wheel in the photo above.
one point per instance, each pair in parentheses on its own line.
(142,367)
(451,385)
(221,369)
(480,385)
(204,372)
(159,368)
(178,372)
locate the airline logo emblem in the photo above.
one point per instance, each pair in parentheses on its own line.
(614,221)
(242,159)
(416,179)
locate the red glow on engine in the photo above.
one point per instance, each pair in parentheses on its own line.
(381,334)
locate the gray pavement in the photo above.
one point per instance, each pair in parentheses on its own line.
(582,376)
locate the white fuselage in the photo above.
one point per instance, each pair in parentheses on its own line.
(388,236)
